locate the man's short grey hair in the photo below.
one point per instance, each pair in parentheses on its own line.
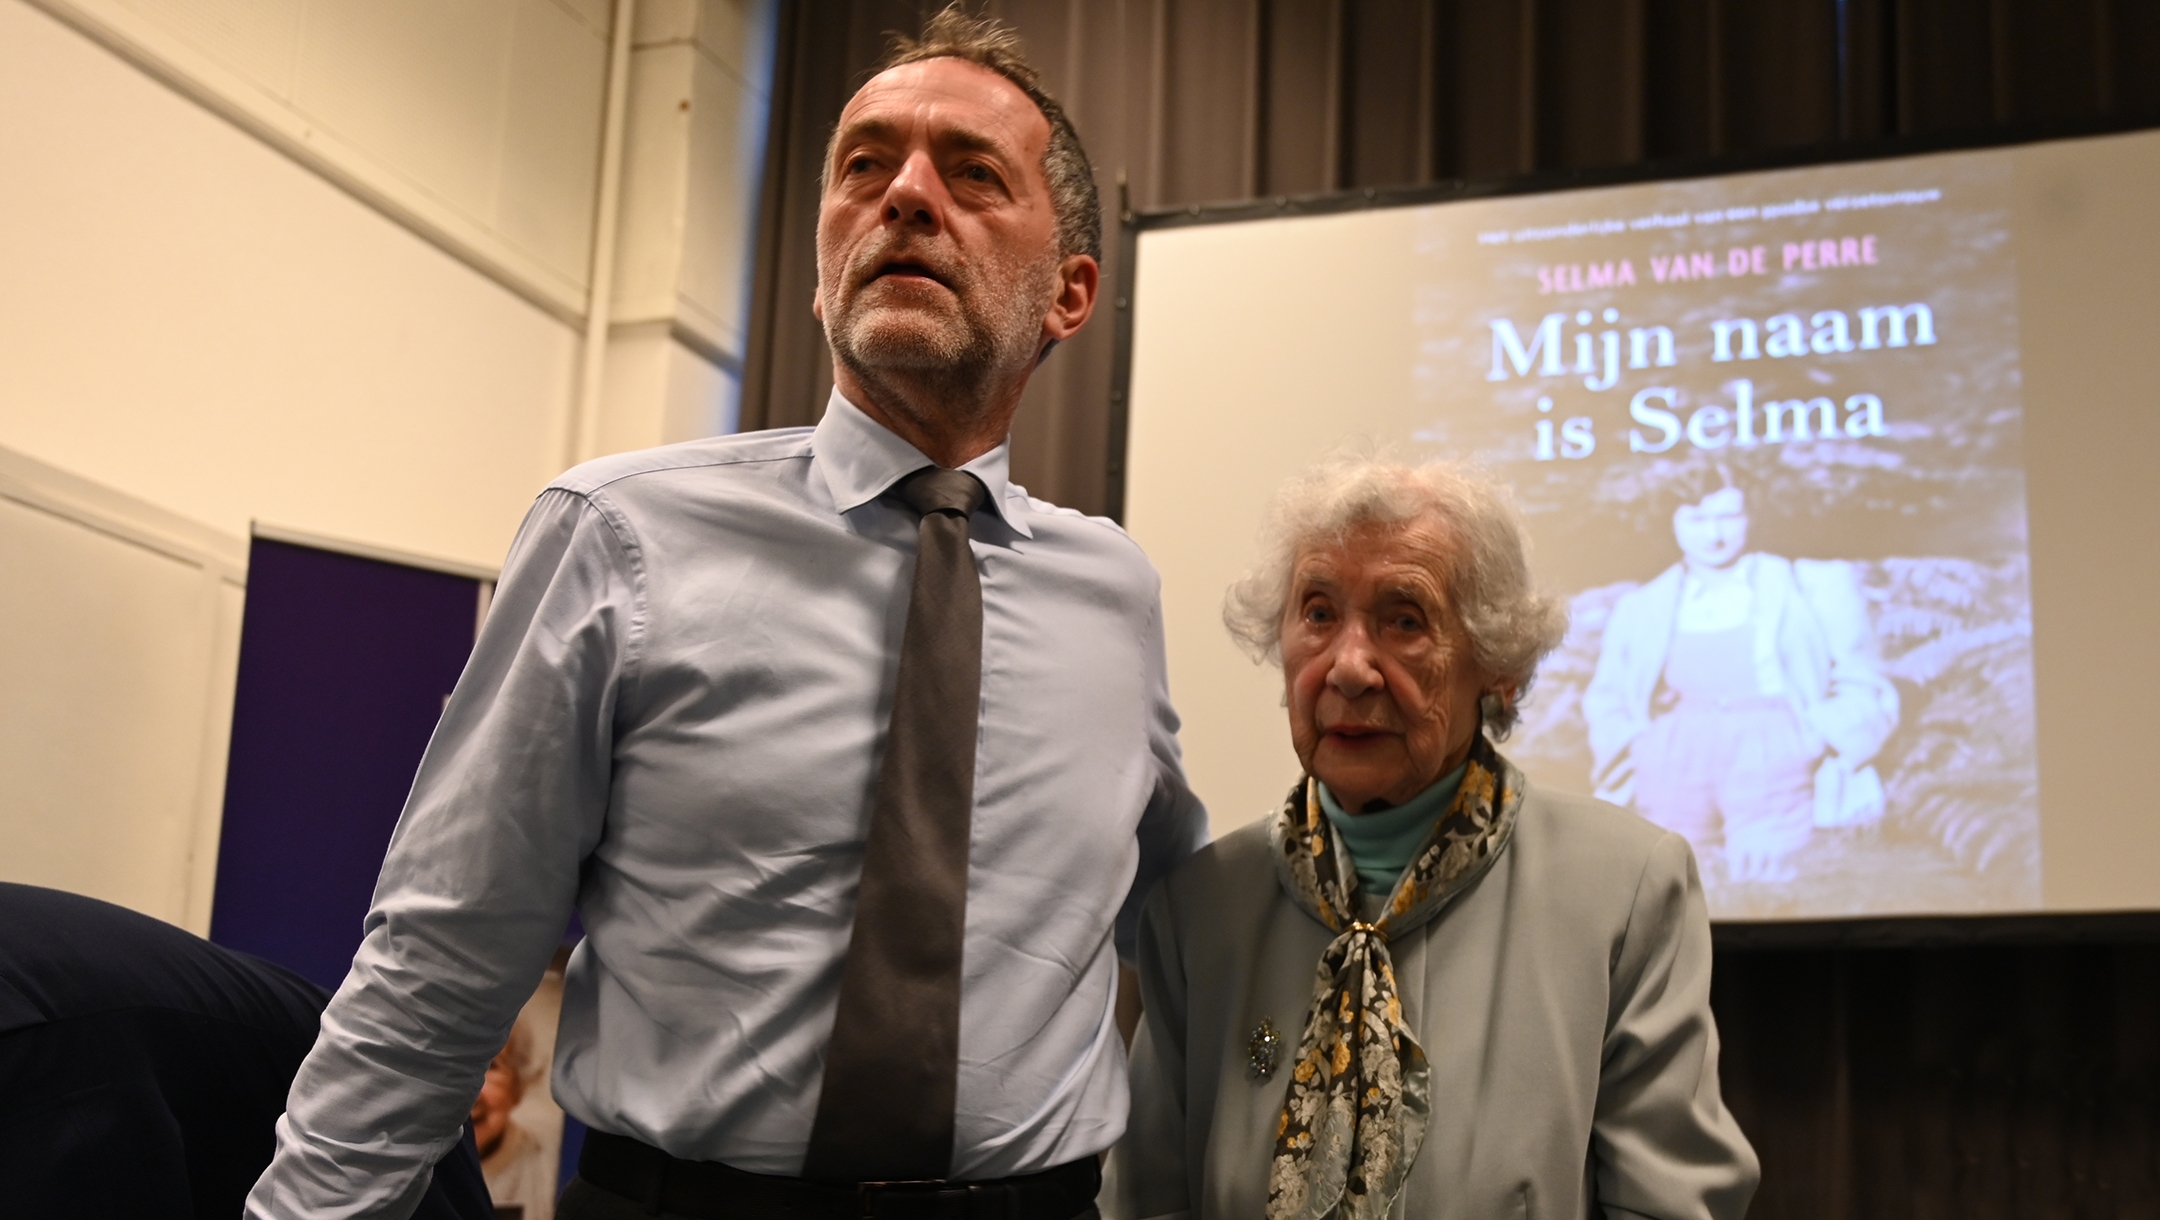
(988,43)
(1510,624)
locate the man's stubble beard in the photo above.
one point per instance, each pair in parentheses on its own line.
(963,357)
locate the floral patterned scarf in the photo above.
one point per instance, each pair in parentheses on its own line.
(1360,1091)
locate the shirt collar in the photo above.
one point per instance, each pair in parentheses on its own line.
(862,459)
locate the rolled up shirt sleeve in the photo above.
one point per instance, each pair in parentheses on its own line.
(479,881)
(1663,1143)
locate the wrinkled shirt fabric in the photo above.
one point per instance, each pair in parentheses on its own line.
(671,723)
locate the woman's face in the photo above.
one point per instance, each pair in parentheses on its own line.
(1714,532)
(1382,688)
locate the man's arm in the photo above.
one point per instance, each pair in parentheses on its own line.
(1147,1177)
(1174,825)
(1663,1144)
(479,881)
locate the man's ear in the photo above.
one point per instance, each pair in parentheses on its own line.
(1079,279)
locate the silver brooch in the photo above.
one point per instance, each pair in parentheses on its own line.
(1263,1052)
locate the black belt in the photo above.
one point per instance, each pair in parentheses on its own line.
(708,1190)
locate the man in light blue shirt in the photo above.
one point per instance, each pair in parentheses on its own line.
(672,722)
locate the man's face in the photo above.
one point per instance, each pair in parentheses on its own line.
(1714,532)
(1382,687)
(937,249)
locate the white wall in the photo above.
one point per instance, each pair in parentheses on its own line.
(319,264)
(476,121)
(234,325)
(700,79)
(658,390)
(119,640)
(193,318)
(695,145)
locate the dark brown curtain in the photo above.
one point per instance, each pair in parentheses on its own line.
(1946,1082)
(1200,101)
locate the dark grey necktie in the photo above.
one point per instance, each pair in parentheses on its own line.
(886,1110)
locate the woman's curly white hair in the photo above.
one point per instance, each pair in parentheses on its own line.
(1510,624)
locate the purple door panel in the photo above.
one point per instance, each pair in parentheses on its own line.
(344,666)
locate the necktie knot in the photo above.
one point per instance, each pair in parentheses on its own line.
(935,489)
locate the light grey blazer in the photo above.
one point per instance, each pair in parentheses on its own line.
(1563,1001)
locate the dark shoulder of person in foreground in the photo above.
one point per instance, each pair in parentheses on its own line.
(142,1068)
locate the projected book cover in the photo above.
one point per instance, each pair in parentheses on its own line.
(1766,433)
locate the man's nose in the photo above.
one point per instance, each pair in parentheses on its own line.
(916,195)
(1354,668)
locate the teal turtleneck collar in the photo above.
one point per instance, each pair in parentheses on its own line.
(1382,843)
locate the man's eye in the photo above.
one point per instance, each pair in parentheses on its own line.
(861,165)
(976,173)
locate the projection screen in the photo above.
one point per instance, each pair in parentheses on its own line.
(1846,474)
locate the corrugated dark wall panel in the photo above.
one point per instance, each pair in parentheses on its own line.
(1207,150)
(1301,124)
(2050,32)
(1868,68)
(1678,117)
(1781,1032)
(1588,92)
(1487,93)
(1947,62)
(1946,1083)
(1385,98)
(2130,50)
(1778,74)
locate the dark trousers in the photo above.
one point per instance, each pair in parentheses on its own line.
(645,1183)
(585,1201)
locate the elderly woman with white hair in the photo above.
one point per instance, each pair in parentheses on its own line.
(1423,987)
